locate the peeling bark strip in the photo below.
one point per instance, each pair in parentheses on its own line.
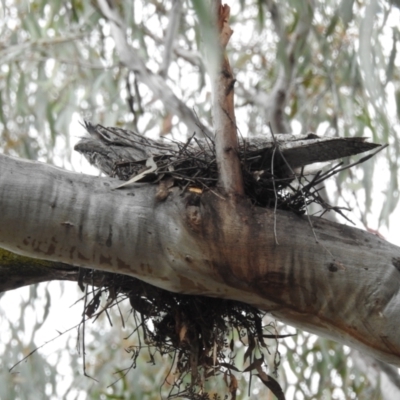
(210,246)
(226,142)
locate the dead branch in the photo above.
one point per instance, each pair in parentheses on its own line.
(226,143)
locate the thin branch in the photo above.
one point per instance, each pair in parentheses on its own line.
(277,19)
(284,84)
(11,52)
(276,196)
(132,60)
(275,102)
(172,30)
(191,56)
(226,141)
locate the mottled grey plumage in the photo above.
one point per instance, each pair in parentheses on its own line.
(119,152)
(123,153)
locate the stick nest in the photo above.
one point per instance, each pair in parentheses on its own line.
(198,332)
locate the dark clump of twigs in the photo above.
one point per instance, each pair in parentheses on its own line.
(269,180)
(197,332)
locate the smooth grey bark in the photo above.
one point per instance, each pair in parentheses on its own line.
(345,287)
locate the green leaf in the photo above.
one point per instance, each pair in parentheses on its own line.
(332,25)
(397,97)
(391,64)
(21,95)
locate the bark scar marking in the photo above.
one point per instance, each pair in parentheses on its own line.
(396,263)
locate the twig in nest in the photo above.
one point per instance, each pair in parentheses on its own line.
(276,195)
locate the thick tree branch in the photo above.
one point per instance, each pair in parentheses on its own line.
(381,376)
(345,287)
(226,140)
(17,271)
(156,83)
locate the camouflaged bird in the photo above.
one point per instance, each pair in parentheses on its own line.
(124,153)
